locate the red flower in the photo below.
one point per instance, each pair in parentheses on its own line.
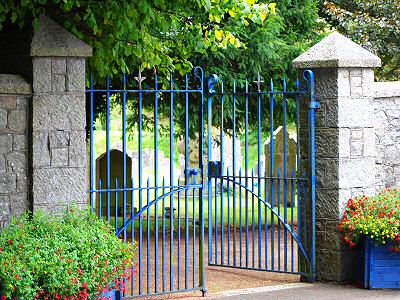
(3,298)
(9,242)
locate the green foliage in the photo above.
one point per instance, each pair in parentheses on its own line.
(72,256)
(373,24)
(232,38)
(127,35)
(376,217)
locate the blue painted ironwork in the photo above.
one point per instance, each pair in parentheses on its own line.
(249,224)
(271,233)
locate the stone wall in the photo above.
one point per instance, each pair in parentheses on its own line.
(15,96)
(387,133)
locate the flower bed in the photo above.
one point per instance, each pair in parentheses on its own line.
(373,223)
(73,256)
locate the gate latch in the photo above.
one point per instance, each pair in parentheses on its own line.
(191,172)
(314,104)
(214,169)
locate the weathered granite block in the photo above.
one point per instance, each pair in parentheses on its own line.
(8,101)
(59,157)
(42,74)
(3,118)
(59,112)
(59,65)
(16,162)
(5,143)
(8,183)
(76,74)
(59,139)
(41,149)
(17,120)
(58,84)
(20,142)
(55,186)
(78,150)
(19,203)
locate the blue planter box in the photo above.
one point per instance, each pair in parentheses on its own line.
(114,295)
(378,268)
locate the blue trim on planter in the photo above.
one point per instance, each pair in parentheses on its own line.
(378,267)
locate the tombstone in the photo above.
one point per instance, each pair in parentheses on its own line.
(216,152)
(291,149)
(116,172)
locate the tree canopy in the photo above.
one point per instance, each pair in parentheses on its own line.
(233,38)
(375,24)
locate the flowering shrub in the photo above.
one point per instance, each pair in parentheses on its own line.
(73,256)
(377,217)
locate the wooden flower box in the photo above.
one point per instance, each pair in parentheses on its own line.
(378,267)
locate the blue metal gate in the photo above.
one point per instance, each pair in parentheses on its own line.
(155,197)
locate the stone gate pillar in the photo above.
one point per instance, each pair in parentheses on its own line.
(59,172)
(345,141)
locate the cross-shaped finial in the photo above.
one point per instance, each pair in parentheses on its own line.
(140,79)
(259,81)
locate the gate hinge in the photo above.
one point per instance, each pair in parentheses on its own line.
(314,105)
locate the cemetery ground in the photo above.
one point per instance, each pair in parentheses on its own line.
(218,278)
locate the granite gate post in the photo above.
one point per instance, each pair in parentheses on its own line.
(345,141)
(59,154)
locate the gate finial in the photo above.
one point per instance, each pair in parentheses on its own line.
(259,81)
(140,79)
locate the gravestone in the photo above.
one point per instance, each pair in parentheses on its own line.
(216,152)
(116,172)
(291,147)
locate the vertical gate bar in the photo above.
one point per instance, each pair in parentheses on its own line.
(124,148)
(186,237)
(108,149)
(259,189)
(272,164)
(216,219)
(186,168)
(278,182)
(194,234)
(266,218)
(179,237)
(312,173)
(209,179)
(140,128)
(285,185)
(234,172)
(171,198)
(148,235)
(292,184)
(240,218)
(201,192)
(186,182)
(253,221)
(298,154)
(305,211)
(222,173)
(164,247)
(132,234)
(228,221)
(116,204)
(92,162)
(156,183)
(246,170)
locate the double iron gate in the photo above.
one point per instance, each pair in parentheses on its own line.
(197,175)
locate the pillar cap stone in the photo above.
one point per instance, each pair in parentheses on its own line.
(14,84)
(51,39)
(338,51)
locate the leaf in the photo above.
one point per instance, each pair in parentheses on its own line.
(219,34)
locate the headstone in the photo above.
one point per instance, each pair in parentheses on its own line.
(291,148)
(116,173)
